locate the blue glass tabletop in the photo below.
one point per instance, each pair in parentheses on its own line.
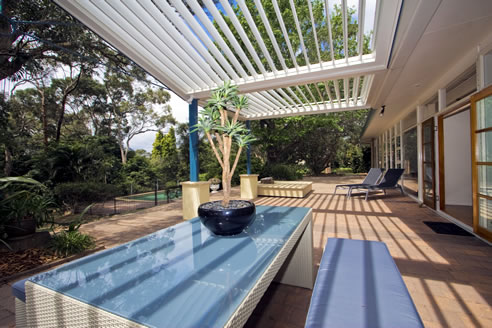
(180,276)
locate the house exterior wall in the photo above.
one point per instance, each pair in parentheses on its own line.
(457,163)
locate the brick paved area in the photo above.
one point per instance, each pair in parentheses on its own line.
(449,277)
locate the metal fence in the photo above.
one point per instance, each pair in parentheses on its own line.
(129,203)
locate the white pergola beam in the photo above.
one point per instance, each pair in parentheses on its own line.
(303,76)
(300,112)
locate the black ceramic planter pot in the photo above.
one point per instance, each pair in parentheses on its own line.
(227,221)
(20,228)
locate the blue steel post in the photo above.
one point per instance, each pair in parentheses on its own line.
(193,119)
(248,151)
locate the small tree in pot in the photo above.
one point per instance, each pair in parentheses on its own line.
(219,121)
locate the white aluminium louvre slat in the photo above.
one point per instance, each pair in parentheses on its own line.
(361,15)
(139,31)
(193,24)
(330,35)
(168,29)
(116,29)
(284,32)
(232,15)
(366,87)
(328,92)
(322,99)
(268,28)
(272,99)
(257,34)
(346,91)
(312,96)
(232,39)
(298,27)
(297,98)
(173,16)
(267,103)
(260,100)
(91,16)
(164,37)
(315,34)
(345,34)
(216,36)
(289,99)
(275,94)
(355,90)
(306,101)
(337,92)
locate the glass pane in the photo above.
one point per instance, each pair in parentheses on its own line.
(411,161)
(484,113)
(485,179)
(485,213)
(428,172)
(484,146)
(427,133)
(427,153)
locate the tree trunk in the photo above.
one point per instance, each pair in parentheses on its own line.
(226,179)
(8,162)
(44,117)
(68,90)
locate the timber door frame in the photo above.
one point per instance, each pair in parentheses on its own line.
(432,162)
(476,195)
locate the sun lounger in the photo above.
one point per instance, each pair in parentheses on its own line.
(389,181)
(371,179)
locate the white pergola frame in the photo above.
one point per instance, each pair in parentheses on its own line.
(188,54)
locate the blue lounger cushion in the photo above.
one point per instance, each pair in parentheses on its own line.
(19,290)
(359,285)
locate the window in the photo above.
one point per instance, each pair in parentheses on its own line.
(410,165)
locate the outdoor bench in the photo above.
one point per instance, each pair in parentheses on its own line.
(285,189)
(359,285)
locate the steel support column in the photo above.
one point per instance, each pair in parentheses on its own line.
(193,119)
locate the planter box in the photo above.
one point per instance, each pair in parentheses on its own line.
(297,189)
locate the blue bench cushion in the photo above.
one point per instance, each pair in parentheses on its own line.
(19,290)
(359,285)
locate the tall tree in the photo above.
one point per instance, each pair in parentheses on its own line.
(34,31)
(133,110)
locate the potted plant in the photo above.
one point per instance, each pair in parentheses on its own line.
(219,121)
(214,184)
(24,205)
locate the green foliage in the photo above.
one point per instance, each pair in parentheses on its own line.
(71,242)
(73,193)
(165,158)
(343,170)
(24,198)
(282,172)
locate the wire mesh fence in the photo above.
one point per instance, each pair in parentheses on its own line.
(129,203)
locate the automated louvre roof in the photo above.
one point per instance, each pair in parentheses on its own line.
(291,57)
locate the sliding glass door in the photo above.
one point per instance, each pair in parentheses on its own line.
(481,125)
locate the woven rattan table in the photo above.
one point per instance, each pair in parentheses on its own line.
(182,276)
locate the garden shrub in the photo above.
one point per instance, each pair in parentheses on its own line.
(282,172)
(343,170)
(73,193)
(67,243)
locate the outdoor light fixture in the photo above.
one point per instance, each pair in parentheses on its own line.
(382,110)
